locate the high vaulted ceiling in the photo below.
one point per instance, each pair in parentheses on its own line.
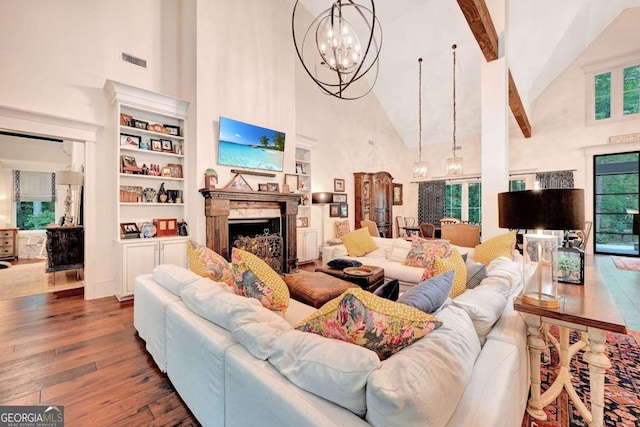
(544,37)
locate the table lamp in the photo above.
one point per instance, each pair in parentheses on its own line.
(549,209)
(321,199)
(69,178)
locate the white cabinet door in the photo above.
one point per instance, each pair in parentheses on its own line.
(174,252)
(307,245)
(136,259)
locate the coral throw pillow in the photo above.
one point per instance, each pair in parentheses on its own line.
(423,253)
(254,278)
(359,242)
(498,246)
(362,318)
(456,264)
(207,263)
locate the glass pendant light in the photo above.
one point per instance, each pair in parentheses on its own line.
(454,164)
(420,168)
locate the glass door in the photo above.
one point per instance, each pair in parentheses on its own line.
(616,197)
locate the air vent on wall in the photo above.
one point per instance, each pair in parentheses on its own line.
(134,60)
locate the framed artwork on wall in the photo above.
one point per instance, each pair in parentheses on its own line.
(397,194)
(338,185)
(339,198)
(334,210)
(344,210)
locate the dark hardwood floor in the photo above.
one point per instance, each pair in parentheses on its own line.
(86,356)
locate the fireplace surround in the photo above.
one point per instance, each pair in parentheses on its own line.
(219,203)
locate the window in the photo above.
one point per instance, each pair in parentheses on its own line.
(517,185)
(34,194)
(613,91)
(464,201)
(474,206)
(453,201)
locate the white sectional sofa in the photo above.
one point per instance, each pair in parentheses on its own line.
(236,363)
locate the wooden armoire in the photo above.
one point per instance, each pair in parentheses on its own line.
(374,200)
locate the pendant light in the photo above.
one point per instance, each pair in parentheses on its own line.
(420,168)
(454,164)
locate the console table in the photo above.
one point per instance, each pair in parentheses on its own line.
(65,248)
(590,309)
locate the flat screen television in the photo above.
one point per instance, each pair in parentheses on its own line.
(248,146)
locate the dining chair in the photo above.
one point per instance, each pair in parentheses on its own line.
(464,235)
(409,221)
(400,226)
(372,226)
(428,230)
(447,220)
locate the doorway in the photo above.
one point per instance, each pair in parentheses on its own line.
(616,186)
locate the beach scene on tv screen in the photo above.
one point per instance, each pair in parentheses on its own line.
(249,146)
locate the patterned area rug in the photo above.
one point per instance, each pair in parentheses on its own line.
(622,386)
(30,279)
(626,263)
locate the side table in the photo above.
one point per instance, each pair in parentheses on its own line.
(369,283)
(65,248)
(590,309)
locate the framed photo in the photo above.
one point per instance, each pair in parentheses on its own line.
(338,185)
(300,169)
(274,186)
(303,221)
(129,161)
(291,181)
(176,170)
(334,210)
(166,171)
(140,124)
(129,229)
(238,183)
(263,187)
(344,210)
(131,141)
(172,130)
(156,145)
(210,181)
(285,188)
(126,120)
(177,148)
(339,198)
(167,145)
(156,127)
(397,194)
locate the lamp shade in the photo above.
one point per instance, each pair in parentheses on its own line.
(549,209)
(69,178)
(322,197)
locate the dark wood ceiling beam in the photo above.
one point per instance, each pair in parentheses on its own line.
(479,19)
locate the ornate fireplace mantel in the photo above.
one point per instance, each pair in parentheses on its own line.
(219,203)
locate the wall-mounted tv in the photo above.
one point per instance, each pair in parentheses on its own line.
(249,146)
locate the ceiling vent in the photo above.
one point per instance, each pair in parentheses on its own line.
(134,60)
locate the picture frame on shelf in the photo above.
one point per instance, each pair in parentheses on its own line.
(129,230)
(303,221)
(166,227)
(177,148)
(263,187)
(156,127)
(128,161)
(167,145)
(176,170)
(139,124)
(273,186)
(238,183)
(344,210)
(334,210)
(300,169)
(126,120)
(397,194)
(130,141)
(339,198)
(166,171)
(172,130)
(338,185)
(285,188)
(156,145)
(291,180)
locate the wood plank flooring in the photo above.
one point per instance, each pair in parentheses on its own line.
(57,349)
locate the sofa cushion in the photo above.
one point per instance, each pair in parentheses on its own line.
(422,384)
(332,369)
(476,272)
(341,227)
(389,290)
(253,278)
(399,250)
(173,278)
(424,252)
(207,263)
(484,305)
(342,263)
(498,246)
(430,294)
(359,242)
(361,318)
(456,264)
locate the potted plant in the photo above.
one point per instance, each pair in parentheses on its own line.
(568,265)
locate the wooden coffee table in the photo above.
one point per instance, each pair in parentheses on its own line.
(590,309)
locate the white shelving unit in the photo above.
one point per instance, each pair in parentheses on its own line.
(162,156)
(307,245)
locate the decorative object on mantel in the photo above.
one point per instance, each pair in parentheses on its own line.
(210,179)
(256,173)
(333,53)
(549,209)
(420,168)
(454,164)
(238,183)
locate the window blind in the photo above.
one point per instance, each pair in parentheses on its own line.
(34,186)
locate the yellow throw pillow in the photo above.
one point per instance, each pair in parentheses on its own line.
(359,242)
(207,263)
(362,318)
(456,264)
(254,278)
(498,246)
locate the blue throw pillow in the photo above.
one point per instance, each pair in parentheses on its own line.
(389,290)
(342,263)
(429,295)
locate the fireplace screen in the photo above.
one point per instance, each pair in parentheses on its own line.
(266,246)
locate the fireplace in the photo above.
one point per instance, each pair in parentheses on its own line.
(261,237)
(219,204)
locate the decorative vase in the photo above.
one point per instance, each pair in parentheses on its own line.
(149,194)
(162,194)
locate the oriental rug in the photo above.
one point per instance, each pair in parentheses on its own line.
(26,279)
(626,263)
(622,386)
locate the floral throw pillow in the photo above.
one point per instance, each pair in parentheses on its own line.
(207,263)
(342,227)
(362,318)
(423,253)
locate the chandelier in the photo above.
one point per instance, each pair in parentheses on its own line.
(335,53)
(454,164)
(420,168)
